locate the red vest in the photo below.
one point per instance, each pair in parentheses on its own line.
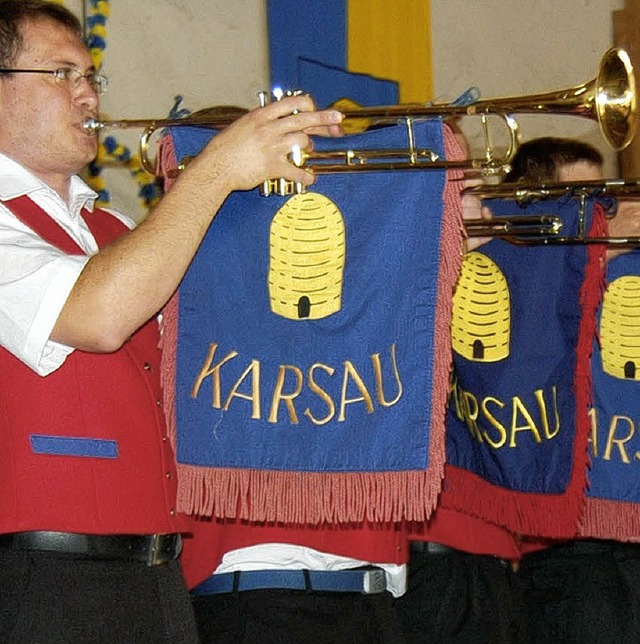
(84,449)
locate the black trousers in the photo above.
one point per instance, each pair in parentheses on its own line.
(296,617)
(581,592)
(585,592)
(48,598)
(454,597)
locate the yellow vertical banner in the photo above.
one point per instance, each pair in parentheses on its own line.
(391,39)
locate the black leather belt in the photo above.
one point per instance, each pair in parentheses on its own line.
(588,547)
(432,548)
(152,550)
(429,548)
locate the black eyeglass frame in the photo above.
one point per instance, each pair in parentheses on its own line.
(98,82)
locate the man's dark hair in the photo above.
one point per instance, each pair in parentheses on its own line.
(14,13)
(539,160)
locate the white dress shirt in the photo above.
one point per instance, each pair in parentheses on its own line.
(36,277)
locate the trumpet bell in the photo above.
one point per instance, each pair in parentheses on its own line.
(615,98)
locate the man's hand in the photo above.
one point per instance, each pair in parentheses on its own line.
(472,209)
(257,146)
(626,223)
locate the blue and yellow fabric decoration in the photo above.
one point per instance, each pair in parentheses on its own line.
(109,150)
(384,46)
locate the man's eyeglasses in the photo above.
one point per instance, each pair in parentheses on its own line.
(69,75)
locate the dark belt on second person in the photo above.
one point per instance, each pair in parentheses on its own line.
(152,549)
(430,548)
(433,548)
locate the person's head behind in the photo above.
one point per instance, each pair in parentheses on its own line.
(13,15)
(555,159)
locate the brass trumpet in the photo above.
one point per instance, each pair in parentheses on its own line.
(547,229)
(610,98)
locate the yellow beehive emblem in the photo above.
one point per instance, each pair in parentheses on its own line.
(481,319)
(307,250)
(620,328)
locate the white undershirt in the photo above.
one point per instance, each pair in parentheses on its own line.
(285,556)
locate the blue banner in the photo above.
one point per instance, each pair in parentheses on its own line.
(516,428)
(615,442)
(344,390)
(306,337)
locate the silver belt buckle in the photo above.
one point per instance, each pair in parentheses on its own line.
(374,582)
(154,551)
(157,553)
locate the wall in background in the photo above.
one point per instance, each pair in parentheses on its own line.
(211,52)
(513,47)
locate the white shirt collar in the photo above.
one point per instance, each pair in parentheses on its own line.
(16,181)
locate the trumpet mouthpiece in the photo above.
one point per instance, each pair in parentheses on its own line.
(92,125)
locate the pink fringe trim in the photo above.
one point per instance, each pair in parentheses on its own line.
(169,339)
(306,498)
(604,519)
(544,515)
(590,299)
(311,498)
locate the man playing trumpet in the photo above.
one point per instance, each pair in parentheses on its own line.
(88,474)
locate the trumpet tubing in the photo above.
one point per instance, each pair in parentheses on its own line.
(610,99)
(516,227)
(525,193)
(547,229)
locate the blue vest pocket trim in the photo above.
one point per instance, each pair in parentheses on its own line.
(75,446)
